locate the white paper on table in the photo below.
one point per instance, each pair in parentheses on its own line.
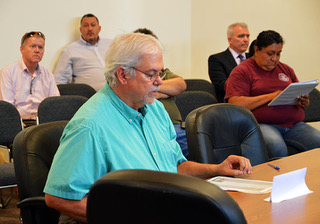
(289,185)
(241,185)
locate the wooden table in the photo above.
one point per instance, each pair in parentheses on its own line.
(303,209)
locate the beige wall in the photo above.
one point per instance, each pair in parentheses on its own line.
(190,30)
(298,21)
(59,21)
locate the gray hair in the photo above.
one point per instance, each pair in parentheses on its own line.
(126,50)
(233,25)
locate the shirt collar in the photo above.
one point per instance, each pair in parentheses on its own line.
(129,113)
(88,44)
(235,54)
(24,68)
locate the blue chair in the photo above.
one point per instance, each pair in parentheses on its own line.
(190,100)
(59,108)
(10,126)
(78,89)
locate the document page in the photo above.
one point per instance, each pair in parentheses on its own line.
(288,95)
(242,185)
(289,185)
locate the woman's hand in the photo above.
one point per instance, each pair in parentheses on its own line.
(303,101)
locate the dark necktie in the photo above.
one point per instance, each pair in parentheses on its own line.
(241,57)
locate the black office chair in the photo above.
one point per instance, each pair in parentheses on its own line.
(200,85)
(216,131)
(10,126)
(7,180)
(144,196)
(33,152)
(78,89)
(10,123)
(59,108)
(312,113)
(190,100)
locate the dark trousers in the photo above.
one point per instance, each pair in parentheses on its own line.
(29,123)
(67,220)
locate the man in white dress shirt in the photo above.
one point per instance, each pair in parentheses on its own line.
(83,61)
(25,83)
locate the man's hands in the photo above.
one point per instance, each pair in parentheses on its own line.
(234,166)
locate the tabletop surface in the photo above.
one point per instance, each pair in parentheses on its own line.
(303,209)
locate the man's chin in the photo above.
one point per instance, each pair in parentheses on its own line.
(149,100)
(91,40)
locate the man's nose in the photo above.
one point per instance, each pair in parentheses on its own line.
(158,81)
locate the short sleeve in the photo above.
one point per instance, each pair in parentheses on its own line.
(238,83)
(72,178)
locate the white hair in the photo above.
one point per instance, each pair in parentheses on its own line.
(126,50)
(233,25)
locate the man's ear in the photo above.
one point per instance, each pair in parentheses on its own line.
(121,75)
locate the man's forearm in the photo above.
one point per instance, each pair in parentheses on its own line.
(76,210)
(173,87)
(253,102)
(200,170)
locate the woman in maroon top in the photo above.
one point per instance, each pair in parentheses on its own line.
(256,82)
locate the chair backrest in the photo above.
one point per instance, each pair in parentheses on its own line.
(190,100)
(216,131)
(10,123)
(144,195)
(312,113)
(59,108)
(33,152)
(7,180)
(7,175)
(200,85)
(79,89)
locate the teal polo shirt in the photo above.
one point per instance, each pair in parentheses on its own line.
(106,135)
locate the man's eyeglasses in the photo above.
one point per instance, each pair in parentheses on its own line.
(153,78)
(31,34)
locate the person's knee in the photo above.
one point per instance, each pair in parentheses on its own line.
(274,141)
(276,149)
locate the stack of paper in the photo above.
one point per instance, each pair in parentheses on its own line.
(288,95)
(241,185)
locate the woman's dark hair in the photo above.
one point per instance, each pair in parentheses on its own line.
(266,38)
(251,48)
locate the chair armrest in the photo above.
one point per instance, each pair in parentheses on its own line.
(33,201)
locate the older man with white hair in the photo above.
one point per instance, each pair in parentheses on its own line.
(122,127)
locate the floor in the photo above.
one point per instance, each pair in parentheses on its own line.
(10,214)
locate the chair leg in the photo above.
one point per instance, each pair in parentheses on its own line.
(4,203)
